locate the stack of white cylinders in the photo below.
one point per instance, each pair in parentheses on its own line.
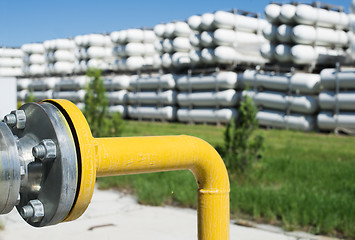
(134,49)
(207,98)
(292,102)
(337,100)
(33,59)
(351,32)
(60,58)
(306,35)
(152,97)
(174,44)
(10,62)
(226,38)
(92,51)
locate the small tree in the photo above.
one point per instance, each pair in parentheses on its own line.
(242,146)
(102,124)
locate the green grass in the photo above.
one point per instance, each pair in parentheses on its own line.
(304,181)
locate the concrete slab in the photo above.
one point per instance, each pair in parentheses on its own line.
(114,215)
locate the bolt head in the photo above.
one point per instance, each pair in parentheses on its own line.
(38,210)
(20,119)
(45,150)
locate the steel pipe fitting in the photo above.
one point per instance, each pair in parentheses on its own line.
(49,163)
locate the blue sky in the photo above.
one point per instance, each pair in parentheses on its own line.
(38,20)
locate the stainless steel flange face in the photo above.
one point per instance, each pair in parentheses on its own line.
(39,170)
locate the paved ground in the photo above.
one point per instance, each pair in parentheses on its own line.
(114,215)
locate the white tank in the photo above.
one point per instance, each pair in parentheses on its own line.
(60,55)
(272,12)
(195,57)
(306,14)
(303,34)
(181,44)
(11,72)
(134,35)
(180,59)
(149,36)
(207,55)
(207,22)
(169,30)
(61,67)
(74,96)
(35,69)
(159,30)
(282,53)
(95,40)
(181,29)
(22,95)
(76,83)
(281,120)
(42,85)
(115,36)
(345,78)
(287,13)
(221,80)
(344,100)
(226,98)
(207,39)
(299,82)
(161,113)
(284,33)
(168,45)
(206,115)
(267,51)
(117,97)
(248,24)
(282,101)
(225,54)
(34,59)
(165,81)
(42,95)
(157,62)
(330,121)
(23,83)
(10,62)
(11,52)
(118,108)
(95,52)
(224,20)
(133,49)
(306,54)
(167,97)
(224,37)
(166,60)
(352,7)
(122,38)
(194,22)
(195,40)
(158,46)
(117,82)
(134,63)
(33,48)
(269,32)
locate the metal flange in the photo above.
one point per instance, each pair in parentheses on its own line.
(39,164)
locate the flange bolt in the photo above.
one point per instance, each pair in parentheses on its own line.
(34,211)
(16,119)
(45,150)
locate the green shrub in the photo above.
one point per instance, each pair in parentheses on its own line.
(242,146)
(102,124)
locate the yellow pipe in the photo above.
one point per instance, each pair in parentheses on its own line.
(133,155)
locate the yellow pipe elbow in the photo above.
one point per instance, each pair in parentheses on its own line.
(133,155)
